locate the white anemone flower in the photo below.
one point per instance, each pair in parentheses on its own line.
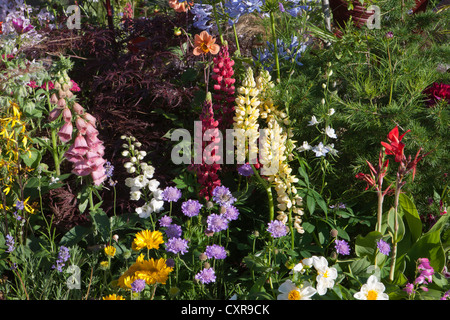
(325,275)
(372,290)
(289,291)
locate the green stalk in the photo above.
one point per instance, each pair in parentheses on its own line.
(236,39)
(216,18)
(395,236)
(275,46)
(268,191)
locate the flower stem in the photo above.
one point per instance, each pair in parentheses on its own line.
(275,46)
(268,191)
(395,236)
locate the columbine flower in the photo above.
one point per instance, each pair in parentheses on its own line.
(372,290)
(217,222)
(147,239)
(207,275)
(205,43)
(342,247)
(330,132)
(289,291)
(215,251)
(325,275)
(383,247)
(277,229)
(177,245)
(171,194)
(191,208)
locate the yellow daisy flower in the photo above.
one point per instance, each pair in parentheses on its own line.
(147,239)
(113,297)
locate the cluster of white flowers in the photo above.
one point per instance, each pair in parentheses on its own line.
(276,151)
(321,149)
(143,185)
(326,275)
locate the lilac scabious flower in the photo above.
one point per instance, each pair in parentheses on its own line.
(171,194)
(191,208)
(10,243)
(138,285)
(277,229)
(245,170)
(383,247)
(231,213)
(222,195)
(217,222)
(165,221)
(173,231)
(207,275)
(63,256)
(342,247)
(215,251)
(177,245)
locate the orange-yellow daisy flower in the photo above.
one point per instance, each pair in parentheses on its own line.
(113,297)
(205,43)
(147,239)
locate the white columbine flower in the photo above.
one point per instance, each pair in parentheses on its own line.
(320,150)
(325,275)
(289,291)
(372,290)
(330,132)
(313,121)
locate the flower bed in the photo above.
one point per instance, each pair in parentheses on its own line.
(151,152)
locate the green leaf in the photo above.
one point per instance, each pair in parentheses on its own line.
(411,215)
(367,246)
(73,236)
(32,158)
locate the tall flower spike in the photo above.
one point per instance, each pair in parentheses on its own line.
(224,88)
(206,171)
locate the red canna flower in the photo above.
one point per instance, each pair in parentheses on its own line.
(395,147)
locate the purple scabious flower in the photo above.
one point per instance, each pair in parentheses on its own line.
(215,251)
(191,208)
(177,245)
(171,194)
(10,243)
(277,229)
(342,247)
(245,170)
(222,195)
(231,213)
(165,221)
(207,275)
(173,231)
(138,285)
(217,222)
(383,247)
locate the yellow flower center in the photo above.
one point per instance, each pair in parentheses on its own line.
(372,295)
(204,47)
(294,295)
